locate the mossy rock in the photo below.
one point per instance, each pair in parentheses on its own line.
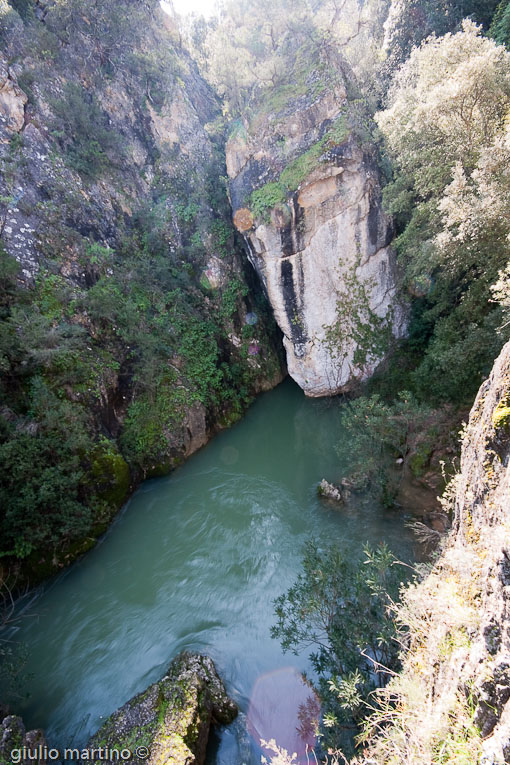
(13,735)
(111,475)
(501,415)
(171,718)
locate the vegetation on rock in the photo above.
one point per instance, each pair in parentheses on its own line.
(123,298)
(342,609)
(380,435)
(171,718)
(446,121)
(116,350)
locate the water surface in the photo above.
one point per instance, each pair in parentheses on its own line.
(194,562)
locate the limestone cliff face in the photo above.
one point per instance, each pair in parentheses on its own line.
(307,199)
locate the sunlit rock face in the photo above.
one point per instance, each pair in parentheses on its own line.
(12,103)
(170,720)
(321,245)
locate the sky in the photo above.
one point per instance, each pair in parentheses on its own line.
(204,7)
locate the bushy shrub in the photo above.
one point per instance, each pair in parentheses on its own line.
(82,129)
(339,606)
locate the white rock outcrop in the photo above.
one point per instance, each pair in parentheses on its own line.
(324,254)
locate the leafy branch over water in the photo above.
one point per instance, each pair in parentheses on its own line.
(342,607)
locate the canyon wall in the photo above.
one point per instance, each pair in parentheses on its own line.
(306,195)
(452,701)
(130,329)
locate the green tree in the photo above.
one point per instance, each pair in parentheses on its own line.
(500,27)
(341,607)
(379,433)
(410,22)
(447,112)
(42,489)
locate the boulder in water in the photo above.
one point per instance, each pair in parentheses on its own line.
(169,722)
(330,491)
(15,738)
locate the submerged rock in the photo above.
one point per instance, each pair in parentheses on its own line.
(169,722)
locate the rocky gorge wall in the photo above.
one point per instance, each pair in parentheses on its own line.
(306,196)
(452,701)
(130,327)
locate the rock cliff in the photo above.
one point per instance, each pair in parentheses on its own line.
(130,329)
(452,701)
(306,196)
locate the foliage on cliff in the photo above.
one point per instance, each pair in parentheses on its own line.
(379,434)
(122,294)
(271,48)
(446,131)
(341,608)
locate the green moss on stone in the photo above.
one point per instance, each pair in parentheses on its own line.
(172,717)
(272,194)
(266,198)
(501,415)
(297,170)
(111,473)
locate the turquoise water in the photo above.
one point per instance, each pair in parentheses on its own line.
(194,562)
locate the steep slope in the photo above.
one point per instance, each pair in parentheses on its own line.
(128,328)
(452,701)
(306,195)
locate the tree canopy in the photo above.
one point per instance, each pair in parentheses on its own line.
(446,117)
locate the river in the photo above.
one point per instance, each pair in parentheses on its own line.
(194,561)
